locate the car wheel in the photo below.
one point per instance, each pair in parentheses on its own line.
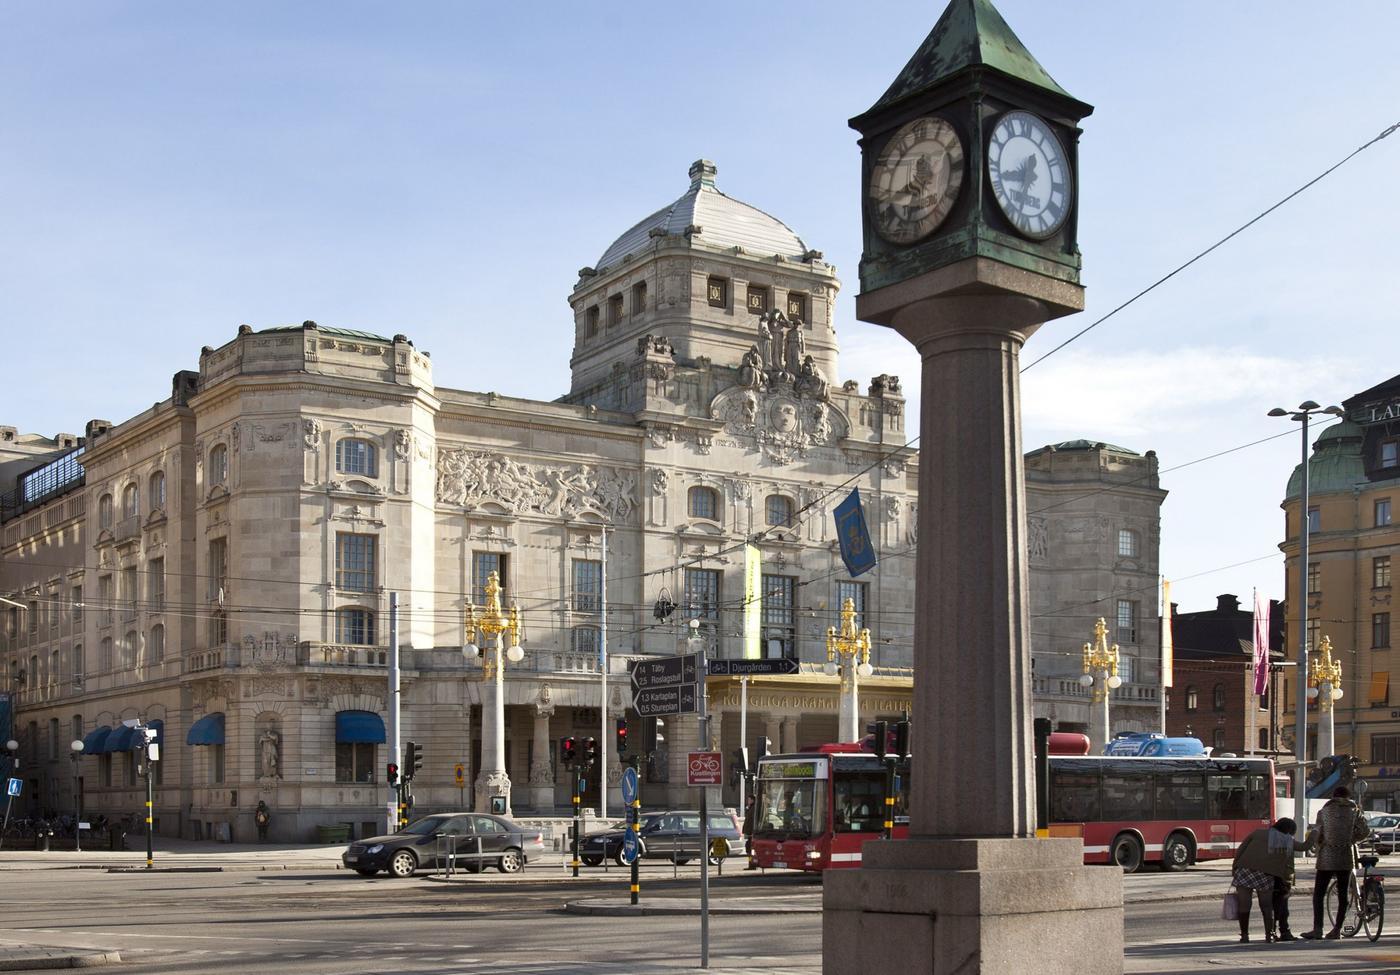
(366,873)
(716,861)
(590,860)
(1126,852)
(403,864)
(511,861)
(1176,854)
(617,857)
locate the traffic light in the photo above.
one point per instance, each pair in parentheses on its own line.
(412,760)
(882,738)
(658,735)
(568,750)
(590,750)
(901,739)
(393,773)
(622,736)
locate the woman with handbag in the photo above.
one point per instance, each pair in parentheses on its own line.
(1263,868)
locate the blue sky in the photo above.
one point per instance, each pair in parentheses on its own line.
(172,170)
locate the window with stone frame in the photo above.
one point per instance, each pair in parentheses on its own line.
(590,320)
(778,510)
(1314,577)
(356,761)
(354,626)
(758,299)
(1127,544)
(614,310)
(1219,740)
(703,502)
(1218,697)
(1314,634)
(106,604)
(588,585)
(130,594)
(131,501)
(155,647)
(218,628)
(702,594)
(218,567)
(1380,631)
(1389,453)
(77,604)
(1385,749)
(779,616)
(1382,512)
(483,564)
(797,306)
(639,298)
(1380,572)
(857,592)
(717,292)
(157,490)
(1193,698)
(218,465)
(104,511)
(1127,619)
(155,585)
(585,639)
(104,656)
(128,650)
(356,455)
(356,561)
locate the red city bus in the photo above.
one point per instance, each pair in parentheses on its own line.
(1171,811)
(815,809)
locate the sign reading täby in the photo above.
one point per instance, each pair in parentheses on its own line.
(703,768)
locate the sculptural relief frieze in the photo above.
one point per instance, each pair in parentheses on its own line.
(469,477)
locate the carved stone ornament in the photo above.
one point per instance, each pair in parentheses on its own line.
(236,435)
(468,478)
(782,420)
(659,481)
(311,433)
(1038,543)
(403,444)
(270,755)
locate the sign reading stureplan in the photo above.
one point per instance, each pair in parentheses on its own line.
(666,685)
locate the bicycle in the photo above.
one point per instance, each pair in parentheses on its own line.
(1366,904)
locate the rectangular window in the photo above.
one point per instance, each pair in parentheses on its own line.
(614,310)
(77,604)
(797,306)
(591,321)
(483,564)
(216,764)
(1074,796)
(104,769)
(354,627)
(1181,795)
(1127,796)
(1380,631)
(639,297)
(758,299)
(1314,521)
(155,646)
(1385,749)
(702,593)
(717,290)
(1382,512)
(155,585)
(1380,572)
(779,616)
(1390,453)
(1314,577)
(1380,688)
(356,456)
(584,639)
(218,628)
(130,595)
(1125,667)
(104,600)
(1127,544)
(856,593)
(355,561)
(1314,634)
(218,566)
(1127,621)
(588,585)
(354,762)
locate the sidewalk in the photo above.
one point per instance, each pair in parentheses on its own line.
(29,958)
(176,853)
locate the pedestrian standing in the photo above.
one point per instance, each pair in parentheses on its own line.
(262,816)
(1264,868)
(1339,826)
(750,808)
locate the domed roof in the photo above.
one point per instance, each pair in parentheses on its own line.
(1084,445)
(719,221)
(1336,463)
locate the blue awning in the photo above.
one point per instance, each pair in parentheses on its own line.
(359,728)
(119,740)
(159,725)
(208,730)
(95,741)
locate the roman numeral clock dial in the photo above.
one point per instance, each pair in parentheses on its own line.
(1030,174)
(915,180)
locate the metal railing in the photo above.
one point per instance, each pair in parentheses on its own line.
(447,854)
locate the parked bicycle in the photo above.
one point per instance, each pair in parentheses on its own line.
(1366,903)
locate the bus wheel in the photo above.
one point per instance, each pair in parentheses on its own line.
(1127,852)
(1176,854)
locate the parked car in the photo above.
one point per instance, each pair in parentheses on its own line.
(672,835)
(501,843)
(1385,833)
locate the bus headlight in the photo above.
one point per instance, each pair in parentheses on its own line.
(814,854)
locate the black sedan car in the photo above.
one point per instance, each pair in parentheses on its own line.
(479,841)
(672,835)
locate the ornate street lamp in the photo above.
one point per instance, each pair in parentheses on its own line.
(854,649)
(492,786)
(1306,409)
(1325,686)
(1100,673)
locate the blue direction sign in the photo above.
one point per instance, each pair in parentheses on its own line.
(629,785)
(13,786)
(630,847)
(752,668)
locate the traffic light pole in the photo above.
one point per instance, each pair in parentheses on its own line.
(396,800)
(150,802)
(634,817)
(577,781)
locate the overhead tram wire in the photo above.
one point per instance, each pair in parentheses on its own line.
(1234,233)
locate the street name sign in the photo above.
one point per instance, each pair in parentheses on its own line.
(652,701)
(778,666)
(703,768)
(665,671)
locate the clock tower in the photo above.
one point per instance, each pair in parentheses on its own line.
(970,201)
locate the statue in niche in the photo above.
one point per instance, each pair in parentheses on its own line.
(269,766)
(751,369)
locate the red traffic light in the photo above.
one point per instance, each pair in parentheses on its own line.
(393,773)
(622,736)
(568,749)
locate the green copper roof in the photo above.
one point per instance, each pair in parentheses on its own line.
(970,34)
(1336,463)
(349,333)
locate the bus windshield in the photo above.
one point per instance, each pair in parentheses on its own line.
(792,808)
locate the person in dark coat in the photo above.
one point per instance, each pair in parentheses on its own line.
(262,817)
(1264,866)
(1339,826)
(750,811)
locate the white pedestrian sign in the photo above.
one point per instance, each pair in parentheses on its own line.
(13,787)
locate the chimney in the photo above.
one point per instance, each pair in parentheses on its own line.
(1227,603)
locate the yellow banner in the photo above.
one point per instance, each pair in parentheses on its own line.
(1166,633)
(753,603)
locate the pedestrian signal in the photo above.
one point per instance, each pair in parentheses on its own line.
(568,750)
(622,736)
(393,773)
(590,750)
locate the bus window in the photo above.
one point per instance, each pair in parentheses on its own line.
(794,807)
(1258,804)
(1127,796)
(1181,796)
(1074,796)
(860,802)
(1227,796)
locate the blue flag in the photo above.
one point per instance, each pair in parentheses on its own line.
(856,550)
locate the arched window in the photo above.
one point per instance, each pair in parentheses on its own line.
(355,456)
(704,503)
(354,625)
(155,649)
(104,511)
(778,510)
(1219,740)
(158,490)
(131,501)
(129,650)
(218,464)
(1218,697)
(1192,699)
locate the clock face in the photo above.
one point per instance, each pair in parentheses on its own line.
(915,181)
(1030,174)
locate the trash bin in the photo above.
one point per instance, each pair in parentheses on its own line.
(335,833)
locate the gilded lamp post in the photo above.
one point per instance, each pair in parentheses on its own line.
(1325,686)
(1101,674)
(854,650)
(492,786)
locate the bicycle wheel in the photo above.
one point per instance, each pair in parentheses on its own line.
(1352,922)
(1373,910)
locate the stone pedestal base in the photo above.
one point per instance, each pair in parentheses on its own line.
(973,907)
